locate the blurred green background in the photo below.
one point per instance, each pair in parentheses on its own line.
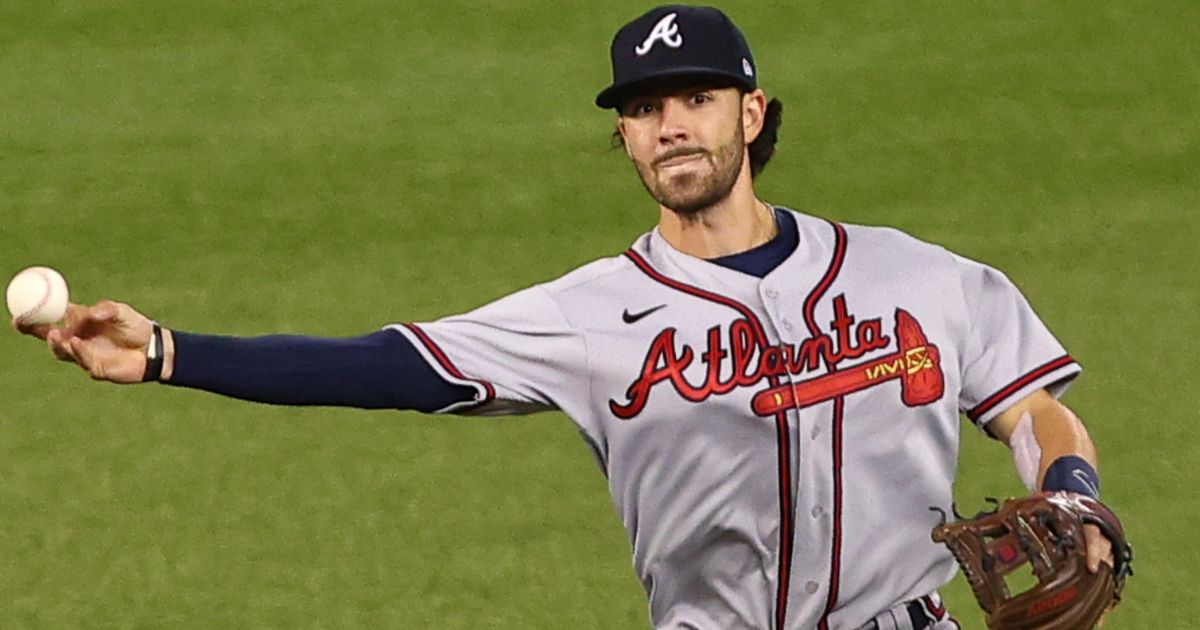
(328,168)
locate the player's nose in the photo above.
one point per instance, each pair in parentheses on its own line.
(672,123)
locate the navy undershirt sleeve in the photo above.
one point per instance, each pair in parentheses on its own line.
(382,370)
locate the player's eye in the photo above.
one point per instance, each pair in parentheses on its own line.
(639,108)
(700,98)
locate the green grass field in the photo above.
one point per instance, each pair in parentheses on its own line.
(328,168)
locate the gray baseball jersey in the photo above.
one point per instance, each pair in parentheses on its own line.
(772,445)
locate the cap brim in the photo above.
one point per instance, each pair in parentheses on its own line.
(612,96)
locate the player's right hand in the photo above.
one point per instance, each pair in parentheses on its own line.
(108,340)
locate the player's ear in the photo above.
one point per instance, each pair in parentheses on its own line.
(620,136)
(754,112)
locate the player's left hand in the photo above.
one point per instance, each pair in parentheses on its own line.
(1099,548)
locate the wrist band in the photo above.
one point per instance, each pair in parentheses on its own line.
(154,356)
(1073,474)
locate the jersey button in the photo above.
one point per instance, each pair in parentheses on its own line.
(811,587)
(815,432)
(772,293)
(787,324)
(817,512)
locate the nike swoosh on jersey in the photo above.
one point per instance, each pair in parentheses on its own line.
(630,318)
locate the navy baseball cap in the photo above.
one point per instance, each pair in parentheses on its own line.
(677,40)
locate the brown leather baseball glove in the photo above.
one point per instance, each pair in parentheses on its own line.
(1045,531)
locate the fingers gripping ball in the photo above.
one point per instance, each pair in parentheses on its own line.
(1042,532)
(37,295)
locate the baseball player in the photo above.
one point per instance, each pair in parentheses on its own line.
(773,398)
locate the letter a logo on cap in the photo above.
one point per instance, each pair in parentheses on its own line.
(665,31)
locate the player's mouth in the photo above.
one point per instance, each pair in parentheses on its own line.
(679,161)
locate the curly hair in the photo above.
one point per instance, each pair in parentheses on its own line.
(763,146)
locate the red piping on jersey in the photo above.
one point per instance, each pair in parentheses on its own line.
(448,365)
(1008,390)
(839,405)
(835,267)
(783,442)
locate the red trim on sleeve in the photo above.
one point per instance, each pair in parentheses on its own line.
(446,364)
(1008,390)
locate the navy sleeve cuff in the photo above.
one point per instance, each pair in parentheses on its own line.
(1073,474)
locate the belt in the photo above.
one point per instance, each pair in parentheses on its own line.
(917,614)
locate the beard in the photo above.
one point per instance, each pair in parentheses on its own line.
(689,193)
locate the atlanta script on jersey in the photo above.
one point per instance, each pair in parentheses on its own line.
(757,434)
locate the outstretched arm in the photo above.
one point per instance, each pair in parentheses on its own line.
(1053,451)
(381,370)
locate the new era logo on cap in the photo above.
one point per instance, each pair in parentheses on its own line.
(652,48)
(665,31)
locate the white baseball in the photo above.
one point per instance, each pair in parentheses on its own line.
(37,295)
